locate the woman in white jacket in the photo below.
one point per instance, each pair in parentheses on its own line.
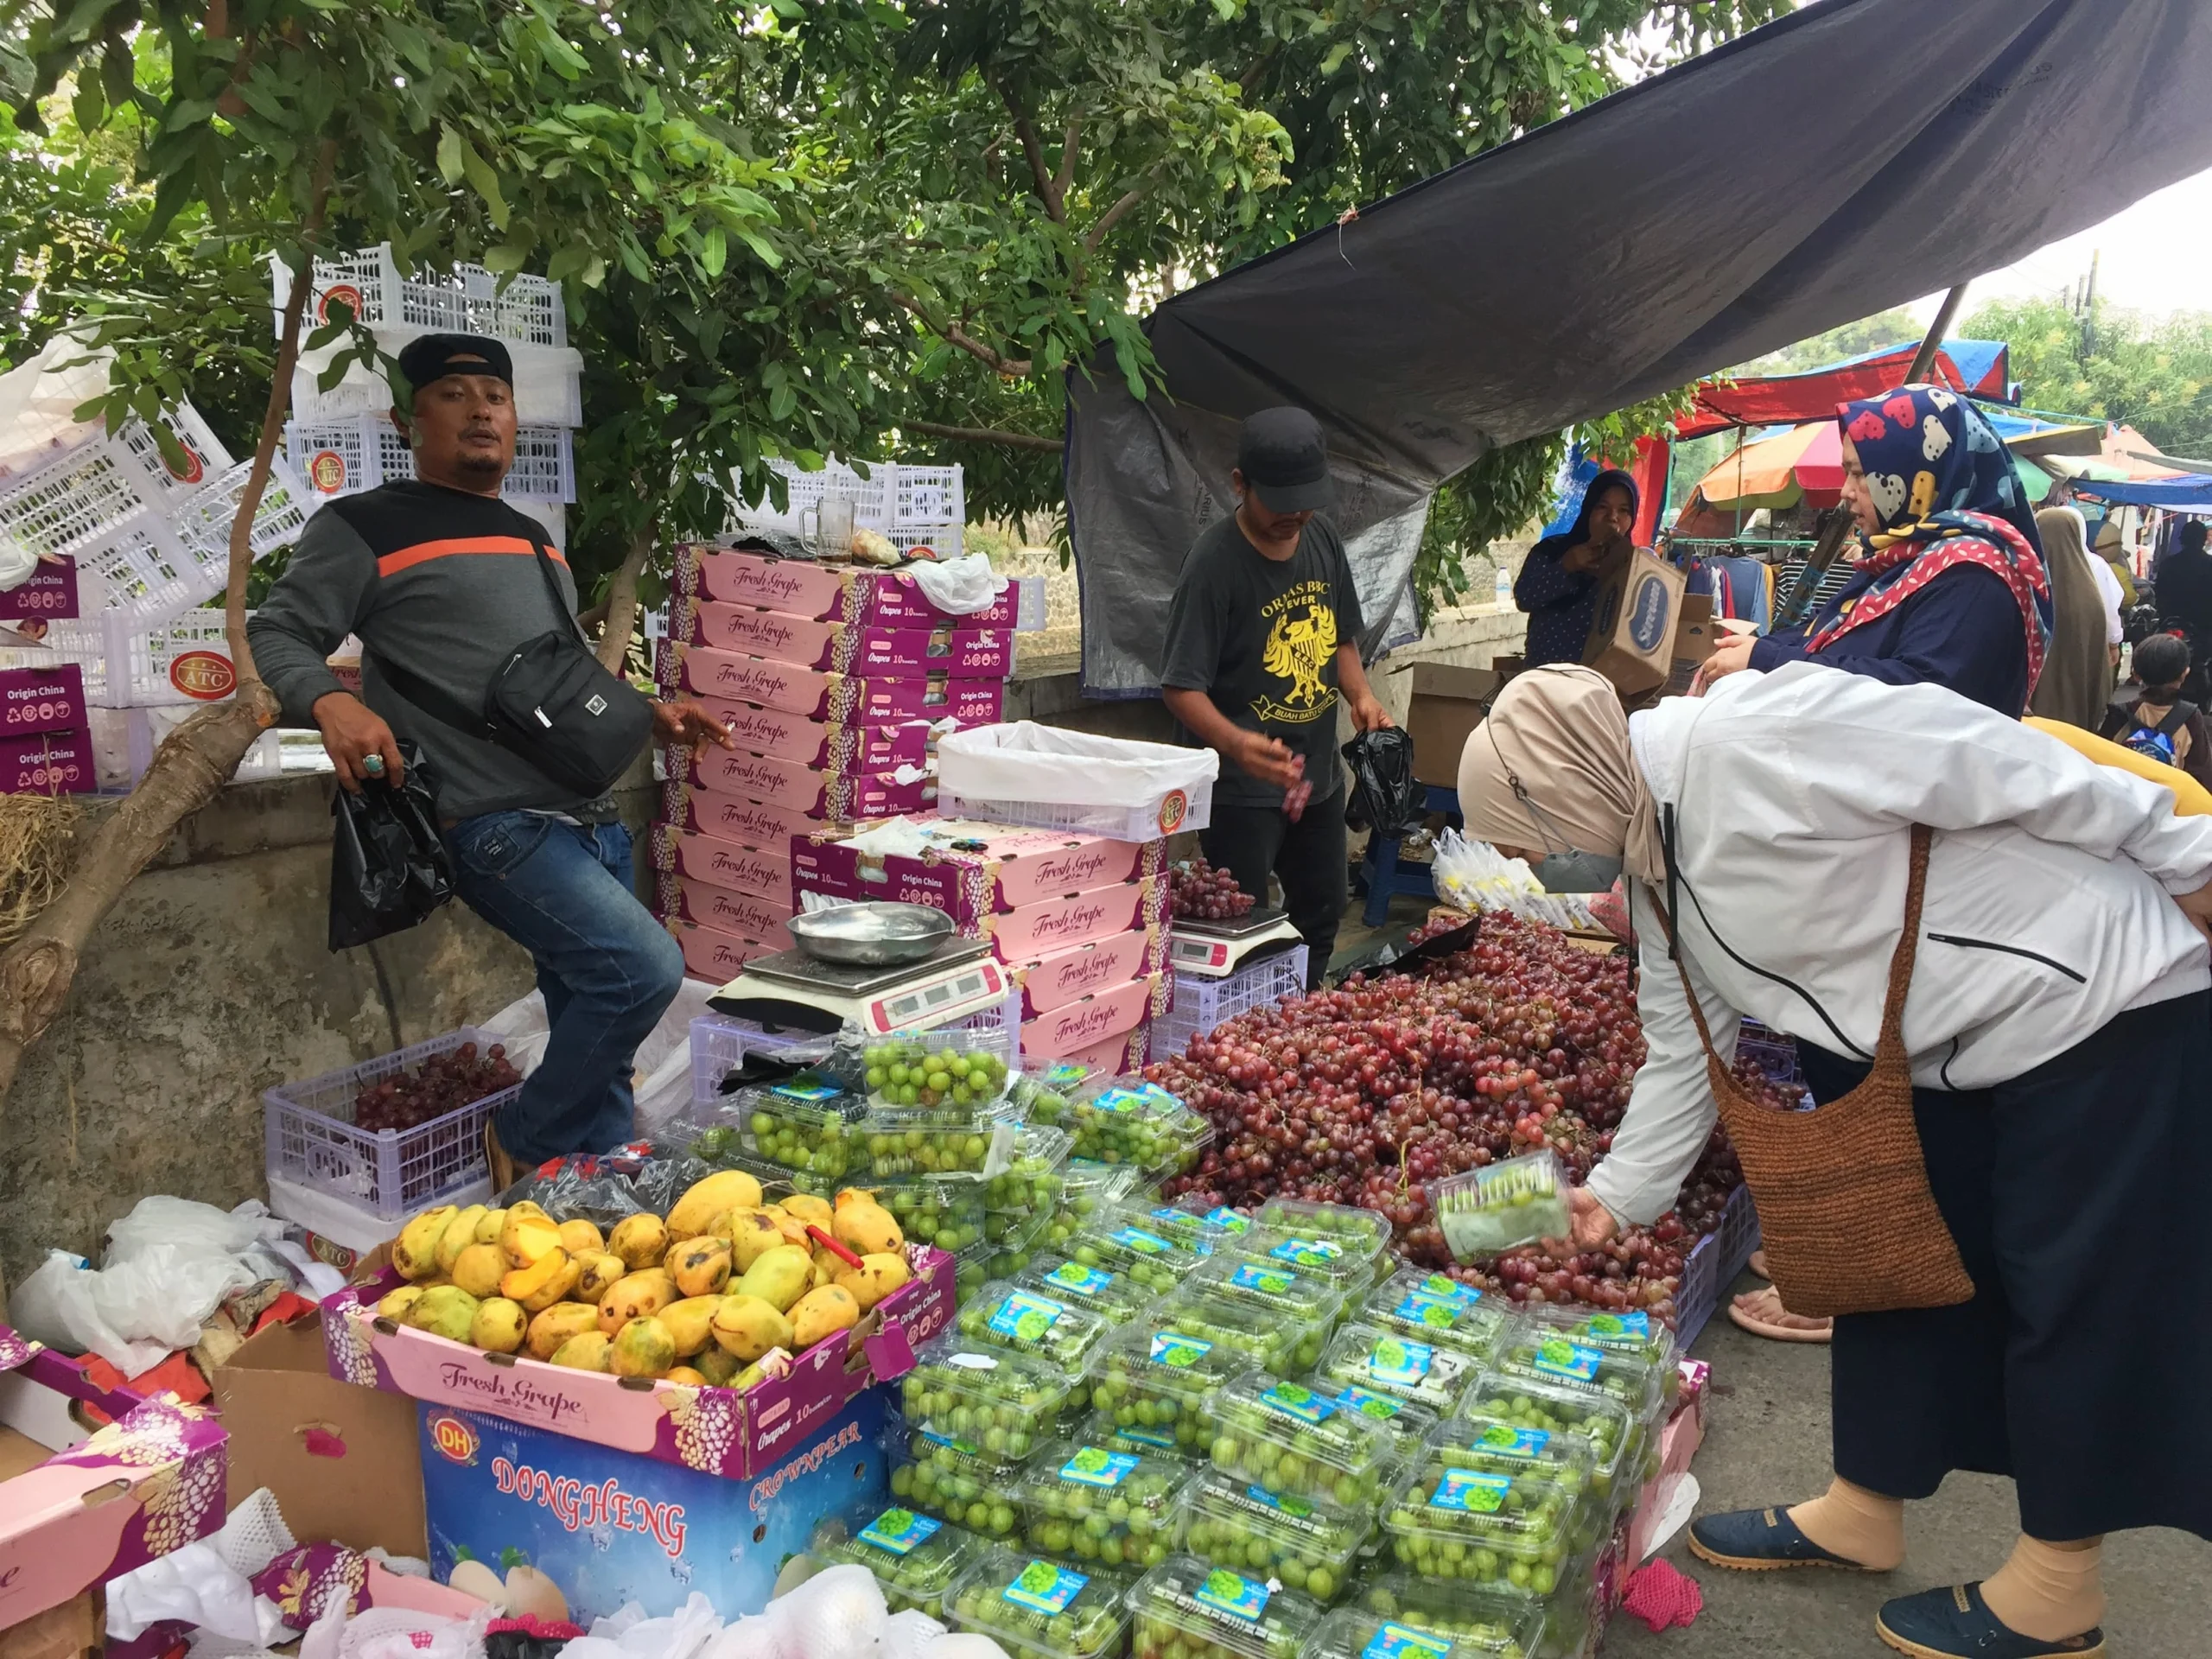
(2059,1023)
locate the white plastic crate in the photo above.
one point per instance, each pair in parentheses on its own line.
(914,506)
(1054,779)
(311,1140)
(469,302)
(184,661)
(943,539)
(805,490)
(927,495)
(548,383)
(1202,1005)
(335,458)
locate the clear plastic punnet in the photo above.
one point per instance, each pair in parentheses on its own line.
(1490,1527)
(1032,1606)
(1295,1442)
(1410,1421)
(1034,1179)
(1127,1121)
(1277,1341)
(1100,1428)
(1003,1404)
(1186,1608)
(1308,1544)
(1427,1621)
(1354,1229)
(1112,1296)
(1123,1241)
(1462,1317)
(915,1557)
(1002,1314)
(947,1212)
(1630,1334)
(1307,1301)
(1011,1243)
(892,1150)
(956,1481)
(1536,1351)
(1155,1381)
(948,1072)
(1483,1211)
(806,1124)
(1090,1190)
(1115,1506)
(1614,1437)
(1390,1362)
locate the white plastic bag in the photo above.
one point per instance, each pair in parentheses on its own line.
(401,1633)
(961,587)
(1025,762)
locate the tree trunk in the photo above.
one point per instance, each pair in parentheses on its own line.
(194,762)
(622,603)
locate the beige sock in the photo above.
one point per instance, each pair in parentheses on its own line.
(1857,1524)
(2049,1592)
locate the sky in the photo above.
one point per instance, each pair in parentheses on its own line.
(2155,258)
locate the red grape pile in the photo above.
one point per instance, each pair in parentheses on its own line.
(1361,1094)
(1203,894)
(444,1082)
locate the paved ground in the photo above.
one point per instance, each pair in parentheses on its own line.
(1767,1440)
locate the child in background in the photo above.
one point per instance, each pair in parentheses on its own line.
(2148,715)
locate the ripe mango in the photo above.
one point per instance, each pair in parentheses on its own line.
(563,1287)
(716,1364)
(724,1189)
(686,1376)
(459,1233)
(599,1276)
(745,1378)
(826,1266)
(479,1269)
(396,1303)
(635,1296)
(877,1276)
(817,1212)
(500,1325)
(488,1225)
(588,1350)
(822,1314)
(690,1323)
(747,1327)
(701,1267)
(642,1348)
(415,1252)
(778,1277)
(527,1238)
(532,1279)
(582,1237)
(753,1234)
(867,1227)
(448,1311)
(853,1195)
(639,1240)
(790,1227)
(548,1330)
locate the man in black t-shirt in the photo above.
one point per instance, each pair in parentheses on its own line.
(1262,638)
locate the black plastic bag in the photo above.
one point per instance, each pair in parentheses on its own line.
(1384,796)
(389,867)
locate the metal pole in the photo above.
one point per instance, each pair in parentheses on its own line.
(1926,355)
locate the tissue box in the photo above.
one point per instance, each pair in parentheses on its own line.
(41,699)
(1012,867)
(793,784)
(824,744)
(1054,981)
(829,593)
(740,915)
(703,671)
(869,649)
(607,1526)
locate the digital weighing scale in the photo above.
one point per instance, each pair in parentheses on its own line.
(792,991)
(1217,950)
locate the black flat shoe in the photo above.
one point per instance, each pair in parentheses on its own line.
(1760,1540)
(1956,1624)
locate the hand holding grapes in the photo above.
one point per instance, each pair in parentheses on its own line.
(1593,1224)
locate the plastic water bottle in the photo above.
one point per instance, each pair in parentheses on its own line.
(1504,588)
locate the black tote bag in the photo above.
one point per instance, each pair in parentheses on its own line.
(389,867)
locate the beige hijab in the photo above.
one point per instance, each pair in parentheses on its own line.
(2077,671)
(1561,734)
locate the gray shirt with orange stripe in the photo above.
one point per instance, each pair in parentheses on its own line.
(440,583)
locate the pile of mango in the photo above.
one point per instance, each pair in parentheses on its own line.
(702,1296)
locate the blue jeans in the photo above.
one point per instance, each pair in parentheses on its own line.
(608,971)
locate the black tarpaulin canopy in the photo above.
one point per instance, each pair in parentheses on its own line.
(1854,156)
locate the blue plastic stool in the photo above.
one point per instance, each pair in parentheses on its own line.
(1385,881)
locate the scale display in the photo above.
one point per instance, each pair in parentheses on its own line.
(1215,950)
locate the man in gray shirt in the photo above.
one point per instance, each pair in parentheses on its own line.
(441,580)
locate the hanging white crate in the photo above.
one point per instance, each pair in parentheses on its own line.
(90,489)
(548,383)
(471,300)
(913,506)
(335,458)
(184,661)
(927,495)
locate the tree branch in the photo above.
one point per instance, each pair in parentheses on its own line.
(1063,181)
(986,434)
(622,603)
(1114,215)
(1041,174)
(1013,368)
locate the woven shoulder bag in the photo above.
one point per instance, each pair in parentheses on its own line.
(1847,1216)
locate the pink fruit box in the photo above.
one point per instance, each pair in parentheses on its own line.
(149,1482)
(41,699)
(869,649)
(1066,976)
(1034,932)
(719,1431)
(769,823)
(702,671)
(1088,1023)
(1003,868)
(821,744)
(713,956)
(740,915)
(48,763)
(814,794)
(826,592)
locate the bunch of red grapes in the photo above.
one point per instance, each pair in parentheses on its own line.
(443,1083)
(1363,1094)
(1203,894)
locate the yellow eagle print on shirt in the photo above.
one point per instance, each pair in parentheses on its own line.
(1299,648)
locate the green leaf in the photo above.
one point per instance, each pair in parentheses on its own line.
(508,256)
(484,179)
(1335,57)
(449,154)
(715,252)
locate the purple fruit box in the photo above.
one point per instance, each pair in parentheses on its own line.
(719,1431)
(150,1481)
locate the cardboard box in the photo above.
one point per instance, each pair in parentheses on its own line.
(1063,976)
(1694,637)
(75,1629)
(1444,703)
(714,956)
(48,763)
(1632,637)
(1116,1057)
(41,700)
(685,808)
(1097,1019)
(149,1482)
(757,872)
(870,649)
(714,1430)
(807,791)
(701,670)
(1038,930)
(50,593)
(740,915)
(831,593)
(824,744)
(610,1527)
(1008,868)
(341,1460)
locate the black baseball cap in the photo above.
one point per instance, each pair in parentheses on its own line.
(1285,460)
(435,356)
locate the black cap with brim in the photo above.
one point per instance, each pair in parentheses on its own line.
(434,357)
(1285,460)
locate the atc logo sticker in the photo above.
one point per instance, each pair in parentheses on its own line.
(326,471)
(1647,620)
(194,469)
(344,293)
(1172,809)
(456,1441)
(205,676)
